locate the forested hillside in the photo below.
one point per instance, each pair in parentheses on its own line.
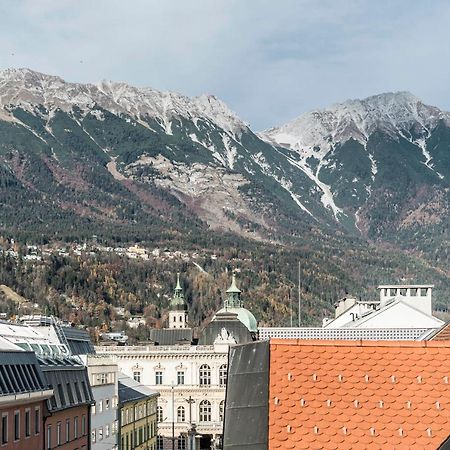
(359,193)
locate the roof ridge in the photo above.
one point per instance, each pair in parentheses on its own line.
(357,343)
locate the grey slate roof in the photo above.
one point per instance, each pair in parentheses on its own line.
(78,340)
(130,390)
(169,336)
(69,381)
(230,322)
(246,403)
(20,373)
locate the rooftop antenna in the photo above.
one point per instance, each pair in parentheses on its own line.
(291,307)
(299,296)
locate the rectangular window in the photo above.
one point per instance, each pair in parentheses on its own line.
(5,428)
(100,406)
(137,376)
(67,430)
(37,421)
(27,423)
(83,425)
(158,377)
(16,425)
(100,433)
(93,437)
(75,428)
(106,430)
(61,395)
(107,404)
(58,433)
(180,377)
(70,393)
(49,437)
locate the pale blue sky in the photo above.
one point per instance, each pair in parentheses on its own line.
(268,60)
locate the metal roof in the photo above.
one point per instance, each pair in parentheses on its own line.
(171,336)
(20,373)
(78,341)
(130,390)
(230,322)
(246,404)
(70,383)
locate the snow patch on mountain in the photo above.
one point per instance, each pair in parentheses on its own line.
(327,198)
(285,184)
(27,88)
(312,133)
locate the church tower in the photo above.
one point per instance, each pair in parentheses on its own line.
(178,313)
(233,299)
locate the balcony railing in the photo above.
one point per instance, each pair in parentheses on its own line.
(119,350)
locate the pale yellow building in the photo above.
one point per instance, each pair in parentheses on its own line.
(137,415)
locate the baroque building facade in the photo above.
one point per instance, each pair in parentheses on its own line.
(190,378)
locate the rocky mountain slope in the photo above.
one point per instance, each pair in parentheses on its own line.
(110,153)
(345,190)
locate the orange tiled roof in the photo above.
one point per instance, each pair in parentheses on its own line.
(443,333)
(358,394)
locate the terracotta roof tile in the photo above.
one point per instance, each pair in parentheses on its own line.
(359,395)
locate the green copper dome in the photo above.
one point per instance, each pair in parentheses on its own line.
(244,316)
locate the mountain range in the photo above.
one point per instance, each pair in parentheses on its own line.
(136,163)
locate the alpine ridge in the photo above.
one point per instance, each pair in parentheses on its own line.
(117,154)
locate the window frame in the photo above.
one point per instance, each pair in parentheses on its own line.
(205,411)
(204,375)
(181,414)
(16,425)
(4,434)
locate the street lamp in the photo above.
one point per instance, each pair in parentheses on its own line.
(192,429)
(173,417)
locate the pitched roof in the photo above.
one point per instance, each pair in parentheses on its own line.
(20,373)
(392,303)
(358,394)
(442,334)
(171,336)
(69,381)
(130,390)
(78,340)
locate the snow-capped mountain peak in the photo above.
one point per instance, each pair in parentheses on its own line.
(27,89)
(357,119)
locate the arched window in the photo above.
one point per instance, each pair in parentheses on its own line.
(181,416)
(159,414)
(221,410)
(205,411)
(205,375)
(223,375)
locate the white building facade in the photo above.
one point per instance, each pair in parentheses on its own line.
(191,380)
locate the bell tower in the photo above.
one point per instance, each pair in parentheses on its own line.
(233,299)
(178,313)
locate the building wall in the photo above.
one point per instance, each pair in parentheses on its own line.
(35,440)
(138,425)
(70,442)
(102,374)
(104,426)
